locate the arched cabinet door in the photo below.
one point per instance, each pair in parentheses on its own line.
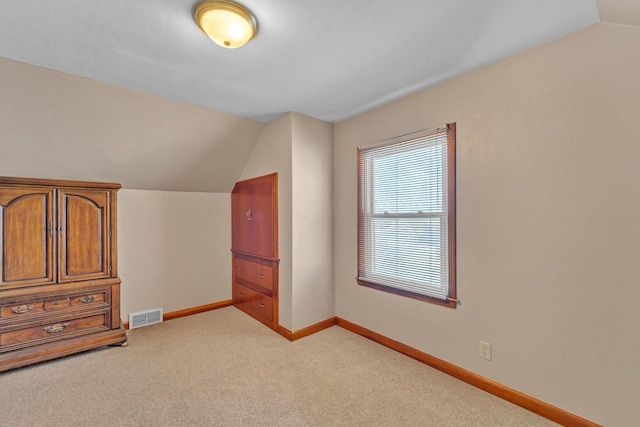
(26,236)
(83,235)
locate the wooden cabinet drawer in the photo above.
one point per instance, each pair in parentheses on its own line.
(36,305)
(252,302)
(253,272)
(51,331)
(90,299)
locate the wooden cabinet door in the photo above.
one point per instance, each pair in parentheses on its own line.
(26,233)
(253,216)
(239,218)
(83,234)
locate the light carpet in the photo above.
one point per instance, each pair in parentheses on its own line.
(223,368)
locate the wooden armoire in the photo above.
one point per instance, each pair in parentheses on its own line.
(59,285)
(254,244)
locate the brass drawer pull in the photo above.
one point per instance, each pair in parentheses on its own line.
(22,309)
(58,327)
(262,276)
(261,305)
(240,269)
(240,293)
(87,299)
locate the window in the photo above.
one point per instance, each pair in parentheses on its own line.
(406,216)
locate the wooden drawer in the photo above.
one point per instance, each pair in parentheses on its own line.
(253,272)
(52,331)
(254,303)
(26,307)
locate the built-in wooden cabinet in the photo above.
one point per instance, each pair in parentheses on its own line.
(59,286)
(254,243)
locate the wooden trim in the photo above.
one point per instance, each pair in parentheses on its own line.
(285,332)
(8,180)
(276,202)
(305,332)
(247,255)
(195,310)
(426,298)
(113,229)
(189,311)
(451,210)
(530,403)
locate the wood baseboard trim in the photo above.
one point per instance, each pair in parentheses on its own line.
(305,332)
(189,311)
(532,404)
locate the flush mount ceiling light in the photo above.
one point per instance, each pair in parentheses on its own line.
(227,23)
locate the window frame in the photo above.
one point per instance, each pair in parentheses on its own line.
(451,300)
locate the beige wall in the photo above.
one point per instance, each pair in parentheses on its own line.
(312,221)
(548,198)
(54,125)
(173,249)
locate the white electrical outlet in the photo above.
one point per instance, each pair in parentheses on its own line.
(485,350)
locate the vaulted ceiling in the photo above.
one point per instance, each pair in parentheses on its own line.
(108,111)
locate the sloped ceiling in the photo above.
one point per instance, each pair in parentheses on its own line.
(138,95)
(53,125)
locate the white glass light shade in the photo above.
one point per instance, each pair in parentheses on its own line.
(228,24)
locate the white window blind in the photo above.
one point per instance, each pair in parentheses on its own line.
(404,214)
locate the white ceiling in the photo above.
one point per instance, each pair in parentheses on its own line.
(329,59)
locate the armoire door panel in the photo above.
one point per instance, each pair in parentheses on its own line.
(26,228)
(83,235)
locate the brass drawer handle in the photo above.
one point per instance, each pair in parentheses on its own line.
(240,269)
(58,327)
(240,293)
(262,276)
(261,305)
(22,309)
(87,299)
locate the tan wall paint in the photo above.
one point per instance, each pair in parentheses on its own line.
(54,125)
(619,11)
(273,154)
(312,226)
(173,249)
(548,206)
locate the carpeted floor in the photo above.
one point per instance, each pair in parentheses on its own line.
(222,368)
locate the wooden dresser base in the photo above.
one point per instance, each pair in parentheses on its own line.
(31,355)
